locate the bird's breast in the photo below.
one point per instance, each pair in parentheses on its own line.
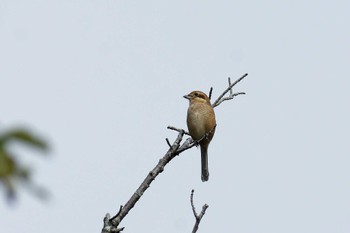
(200,120)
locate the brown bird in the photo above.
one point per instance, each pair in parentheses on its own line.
(201,125)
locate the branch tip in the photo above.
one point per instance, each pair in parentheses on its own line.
(178,130)
(210,92)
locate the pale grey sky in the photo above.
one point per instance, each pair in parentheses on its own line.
(103,79)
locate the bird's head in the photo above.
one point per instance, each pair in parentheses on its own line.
(197,97)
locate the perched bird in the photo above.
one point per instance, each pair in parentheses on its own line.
(201,125)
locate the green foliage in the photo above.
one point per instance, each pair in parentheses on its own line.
(11,171)
(24,136)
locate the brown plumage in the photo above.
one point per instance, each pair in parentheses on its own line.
(201,123)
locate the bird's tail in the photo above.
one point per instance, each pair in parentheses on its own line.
(205,169)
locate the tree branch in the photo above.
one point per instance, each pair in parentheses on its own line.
(178,130)
(111,224)
(198,217)
(220,99)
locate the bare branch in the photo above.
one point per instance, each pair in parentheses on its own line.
(112,224)
(197,217)
(220,99)
(178,130)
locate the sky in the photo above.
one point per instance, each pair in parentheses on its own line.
(102,80)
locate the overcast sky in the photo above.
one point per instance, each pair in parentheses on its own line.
(101,80)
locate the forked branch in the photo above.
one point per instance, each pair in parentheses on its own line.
(198,217)
(229,89)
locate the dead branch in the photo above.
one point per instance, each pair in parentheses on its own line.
(220,99)
(111,224)
(198,217)
(178,130)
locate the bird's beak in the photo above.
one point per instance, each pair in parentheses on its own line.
(187,97)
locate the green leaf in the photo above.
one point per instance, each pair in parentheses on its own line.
(24,136)
(7,165)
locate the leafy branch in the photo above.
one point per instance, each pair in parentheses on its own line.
(11,170)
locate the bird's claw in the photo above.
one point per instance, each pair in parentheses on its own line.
(196,143)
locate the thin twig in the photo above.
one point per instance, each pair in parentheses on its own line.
(167,141)
(178,130)
(220,99)
(197,217)
(210,92)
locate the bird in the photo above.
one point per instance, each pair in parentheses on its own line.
(201,125)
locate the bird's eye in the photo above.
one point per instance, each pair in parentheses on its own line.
(196,94)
